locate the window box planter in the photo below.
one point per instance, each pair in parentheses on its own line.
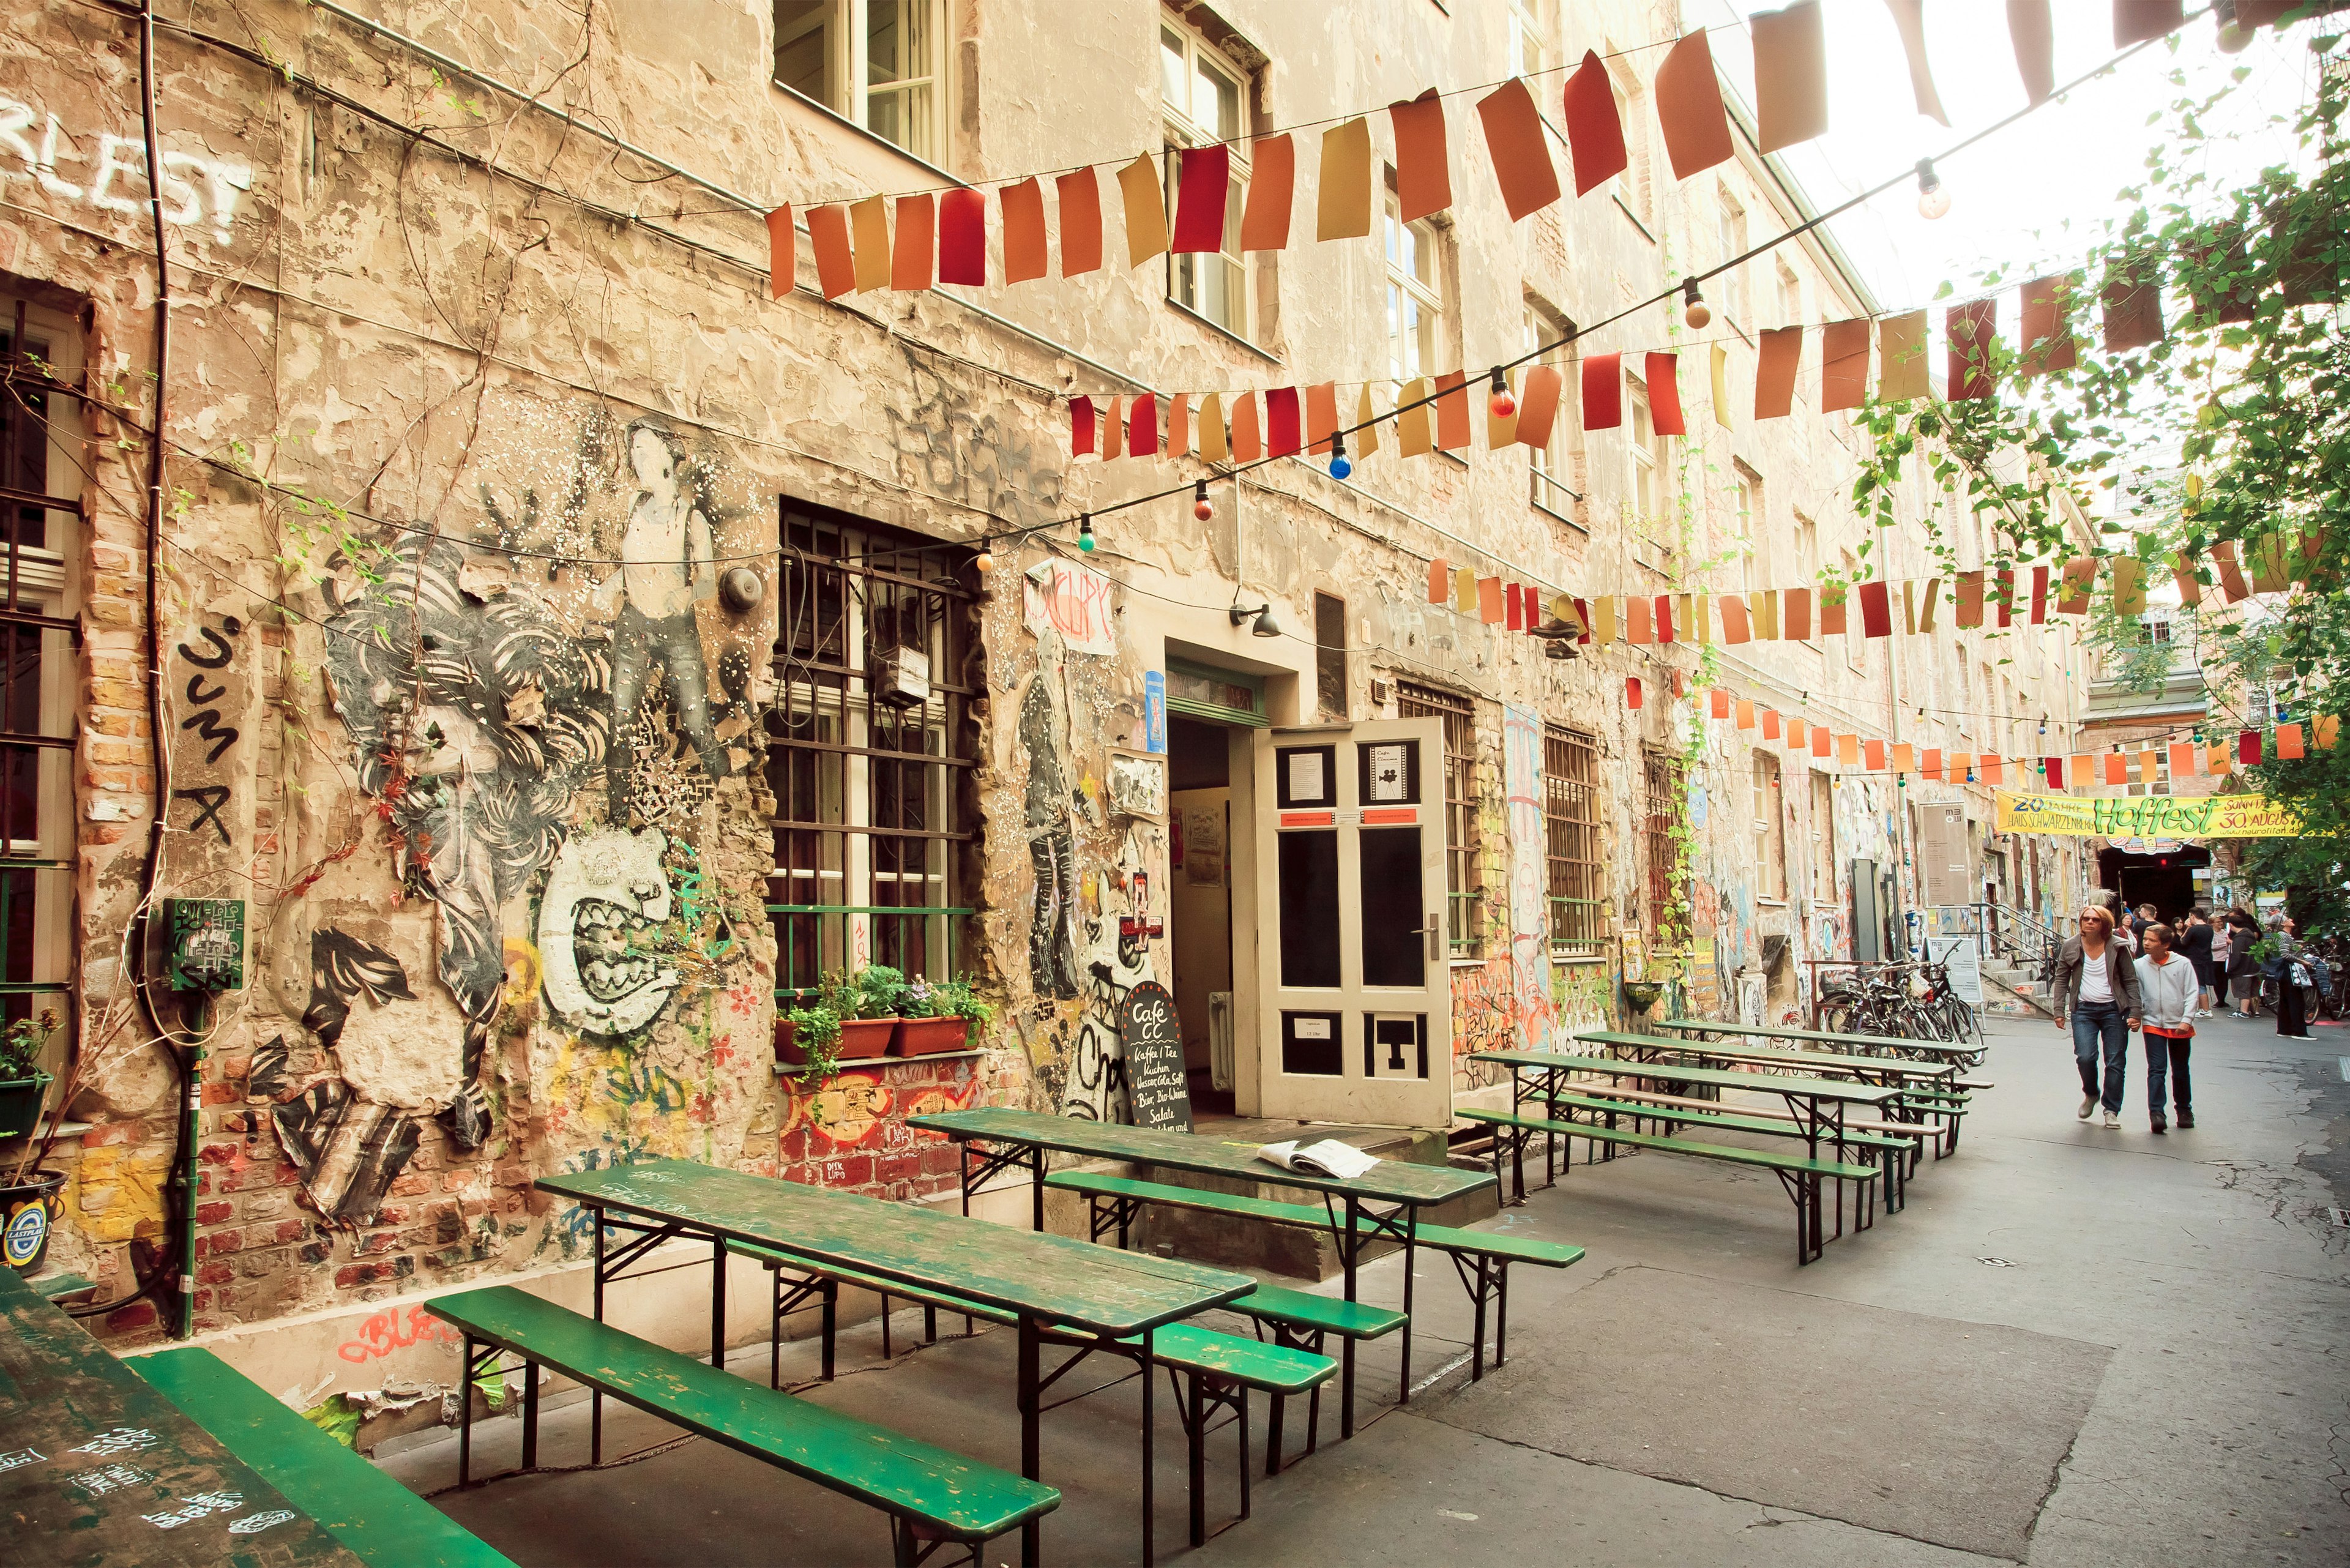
(930,1036)
(20,1103)
(861,1039)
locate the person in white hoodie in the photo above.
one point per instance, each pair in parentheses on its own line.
(2167,989)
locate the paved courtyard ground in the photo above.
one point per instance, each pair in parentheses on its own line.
(2074,1347)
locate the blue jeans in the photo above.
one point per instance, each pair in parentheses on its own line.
(2091,1021)
(2167,1059)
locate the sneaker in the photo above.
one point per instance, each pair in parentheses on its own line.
(2088,1106)
(2111,1119)
(2159,1125)
(2186,1119)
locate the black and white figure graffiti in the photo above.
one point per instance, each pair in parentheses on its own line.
(475,718)
(349,1150)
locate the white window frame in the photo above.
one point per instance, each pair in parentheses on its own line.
(1770,835)
(846,91)
(1185,129)
(1753,523)
(1408,359)
(1730,233)
(1545,465)
(1643,501)
(1533,25)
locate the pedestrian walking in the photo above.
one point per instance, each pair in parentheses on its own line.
(2168,989)
(2097,996)
(2195,944)
(2290,971)
(2243,970)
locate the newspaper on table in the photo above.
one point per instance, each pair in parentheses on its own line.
(1328,1158)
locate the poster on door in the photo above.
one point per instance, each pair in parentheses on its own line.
(1204,846)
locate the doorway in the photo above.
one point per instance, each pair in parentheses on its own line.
(1200,904)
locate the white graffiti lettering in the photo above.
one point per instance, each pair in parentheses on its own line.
(193,188)
(202,1505)
(120,1441)
(20,1458)
(110,1478)
(255,1523)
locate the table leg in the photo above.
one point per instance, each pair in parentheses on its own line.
(1148,1502)
(1411,1243)
(595,1396)
(963,1161)
(1036,1188)
(529,1415)
(1032,1534)
(717,1303)
(1347,1248)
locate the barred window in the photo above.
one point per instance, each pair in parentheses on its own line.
(1571,829)
(1460,807)
(39,596)
(1663,780)
(870,752)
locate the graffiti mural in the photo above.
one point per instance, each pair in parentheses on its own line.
(1052,841)
(1522,749)
(606,900)
(349,1147)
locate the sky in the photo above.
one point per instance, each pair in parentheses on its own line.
(2035,190)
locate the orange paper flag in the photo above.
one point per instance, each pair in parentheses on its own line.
(1538,405)
(914,251)
(1248,444)
(2080,578)
(1272,194)
(1791,75)
(1930,764)
(2216,762)
(1595,126)
(1734,627)
(2182,572)
(1178,425)
(2289,741)
(1452,410)
(1774,372)
(1971,600)
(1797,736)
(2116,768)
(1770,723)
(1440,582)
(1423,173)
(1745,714)
(782,257)
(2329,729)
(1718,703)
(1146,210)
(1021,209)
(1844,367)
(2232,577)
(1321,416)
(835,268)
(1342,201)
(1688,108)
(1848,749)
(2047,331)
(1822,742)
(1876,756)
(2182,759)
(1905,758)
(1113,444)
(1081,222)
(1970,328)
(1908,15)
(1489,600)
(2132,301)
(1515,139)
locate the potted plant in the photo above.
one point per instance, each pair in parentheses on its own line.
(940,1017)
(809,1038)
(22,1083)
(28,1199)
(868,1004)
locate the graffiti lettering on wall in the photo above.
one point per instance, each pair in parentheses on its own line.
(193,188)
(1582,996)
(213,693)
(1522,752)
(386,1332)
(1073,601)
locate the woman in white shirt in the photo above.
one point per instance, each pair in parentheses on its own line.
(2167,989)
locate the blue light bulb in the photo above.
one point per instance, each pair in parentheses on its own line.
(1339,467)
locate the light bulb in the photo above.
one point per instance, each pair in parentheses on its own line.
(984,561)
(1502,404)
(1202,507)
(1694,310)
(1933,196)
(1085,533)
(1339,467)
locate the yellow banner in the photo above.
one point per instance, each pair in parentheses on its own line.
(2146,816)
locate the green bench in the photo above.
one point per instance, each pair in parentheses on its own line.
(1799,1174)
(1218,1371)
(1893,1151)
(1482,1259)
(929,1493)
(382,1521)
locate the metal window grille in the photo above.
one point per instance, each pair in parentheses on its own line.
(1663,808)
(1571,824)
(37,673)
(1460,806)
(870,751)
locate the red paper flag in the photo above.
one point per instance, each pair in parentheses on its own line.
(1021,210)
(1143,425)
(1423,173)
(2006,598)
(1970,328)
(835,268)
(1664,617)
(1081,426)
(962,237)
(1632,692)
(2047,334)
(1583,618)
(1081,222)
(2132,298)
(1876,609)
(914,249)
(1514,605)
(1770,723)
(1665,396)
(1515,140)
(2248,746)
(1533,598)
(2231,576)
(1321,415)
(2038,595)
(1775,366)
(2289,741)
(1791,75)
(1452,410)
(1538,405)
(1272,194)
(1595,129)
(1795,615)
(2136,21)
(783,255)
(1719,702)
(1283,435)
(2116,768)
(1679,687)
(1203,181)
(1688,108)
(1843,363)
(2052,769)
(1603,391)
(1971,600)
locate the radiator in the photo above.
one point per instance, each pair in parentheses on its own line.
(1220,1039)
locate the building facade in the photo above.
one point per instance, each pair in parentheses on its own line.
(574,643)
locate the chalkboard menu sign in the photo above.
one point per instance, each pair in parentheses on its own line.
(1153,1037)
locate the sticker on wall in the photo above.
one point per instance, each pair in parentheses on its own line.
(1138,785)
(1154,712)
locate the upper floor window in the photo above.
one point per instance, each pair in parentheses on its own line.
(880,63)
(1641,456)
(1415,301)
(1553,470)
(1730,228)
(1204,96)
(1532,22)
(1752,528)
(1791,297)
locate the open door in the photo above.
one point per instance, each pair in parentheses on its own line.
(1354,989)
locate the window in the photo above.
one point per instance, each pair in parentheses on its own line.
(39,676)
(1824,886)
(1966,714)
(876,62)
(1460,806)
(872,785)
(1791,297)
(1807,550)
(1853,644)
(1770,833)
(1664,788)
(1639,456)
(1551,474)
(1730,221)
(1752,529)
(1639,179)
(1531,25)
(1415,304)
(1330,654)
(1204,96)
(1571,833)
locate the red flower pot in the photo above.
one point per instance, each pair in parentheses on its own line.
(864,1037)
(930,1036)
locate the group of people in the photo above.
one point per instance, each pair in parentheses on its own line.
(2133,973)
